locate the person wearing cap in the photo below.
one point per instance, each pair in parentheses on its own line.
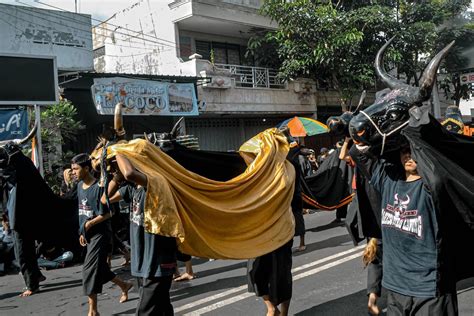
(95,234)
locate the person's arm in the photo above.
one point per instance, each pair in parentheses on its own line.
(96,220)
(113,189)
(370,166)
(130,173)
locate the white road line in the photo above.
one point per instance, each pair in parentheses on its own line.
(337,255)
(326,266)
(244,287)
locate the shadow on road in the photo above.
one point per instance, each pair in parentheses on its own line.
(222,269)
(332,224)
(327,243)
(220,284)
(354,304)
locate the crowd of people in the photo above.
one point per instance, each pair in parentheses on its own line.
(114,222)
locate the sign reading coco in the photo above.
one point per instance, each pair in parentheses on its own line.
(144,97)
(467,78)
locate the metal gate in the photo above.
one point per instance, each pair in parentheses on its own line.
(227,134)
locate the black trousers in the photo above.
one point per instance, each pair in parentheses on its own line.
(402,305)
(155,296)
(341,212)
(25,252)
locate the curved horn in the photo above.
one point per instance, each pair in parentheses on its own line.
(30,135)
(390,81)
(175,128)
(406,201)
(118,121)
(429,74)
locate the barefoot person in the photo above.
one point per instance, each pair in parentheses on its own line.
(95,234)
(153,257)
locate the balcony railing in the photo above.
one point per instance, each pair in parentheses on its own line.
(254,77)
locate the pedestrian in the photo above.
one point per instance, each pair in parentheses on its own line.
(269,276)
(416,271)
(153,257)
(95,234)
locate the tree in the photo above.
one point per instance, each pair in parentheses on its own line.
(336,41)
(462,29)
(58,126)
(331,43)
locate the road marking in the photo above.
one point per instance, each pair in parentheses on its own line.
(244,287)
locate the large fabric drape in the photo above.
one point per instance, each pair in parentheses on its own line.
(244,217)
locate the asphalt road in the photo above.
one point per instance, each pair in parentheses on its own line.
(328,279)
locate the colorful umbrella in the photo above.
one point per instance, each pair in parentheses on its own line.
(304,126)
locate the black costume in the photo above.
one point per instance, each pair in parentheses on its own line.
(270,274)
(95,271)
(153,258)
(447,183)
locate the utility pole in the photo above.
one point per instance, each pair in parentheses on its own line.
(75,2)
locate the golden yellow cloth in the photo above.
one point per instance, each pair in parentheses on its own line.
(245,217)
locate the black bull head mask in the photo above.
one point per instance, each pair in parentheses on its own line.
(389,113)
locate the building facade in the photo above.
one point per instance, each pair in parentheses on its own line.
(206,39)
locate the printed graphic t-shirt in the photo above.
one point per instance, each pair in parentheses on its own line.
(409,230)
(151,255)
(90,207)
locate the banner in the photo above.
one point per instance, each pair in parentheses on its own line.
(13,124)
(144,97)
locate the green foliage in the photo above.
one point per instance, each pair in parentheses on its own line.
(58,125)
(336,41)
(262,48)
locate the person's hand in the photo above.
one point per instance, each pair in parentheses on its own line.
(372,304)
(82,241)
(87,225)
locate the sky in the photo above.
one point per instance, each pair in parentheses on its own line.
(99,9)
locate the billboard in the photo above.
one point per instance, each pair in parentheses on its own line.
(144,97)
(28,79)
(13,124)
(33,31)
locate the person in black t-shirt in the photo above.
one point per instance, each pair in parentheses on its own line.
(153,257)
(414,267)
(95,234)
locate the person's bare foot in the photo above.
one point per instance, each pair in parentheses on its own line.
(301,248)
(93,314)
(124,296)
(184,277)
(27,293)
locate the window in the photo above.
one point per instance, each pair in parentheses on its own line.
(185,47)
(224,53)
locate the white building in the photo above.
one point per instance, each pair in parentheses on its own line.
(178,38)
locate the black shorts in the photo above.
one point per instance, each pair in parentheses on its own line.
(445,305)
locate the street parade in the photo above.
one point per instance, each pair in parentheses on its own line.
(237,157)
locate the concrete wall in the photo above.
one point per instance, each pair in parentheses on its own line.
(155,52)
(32,31)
